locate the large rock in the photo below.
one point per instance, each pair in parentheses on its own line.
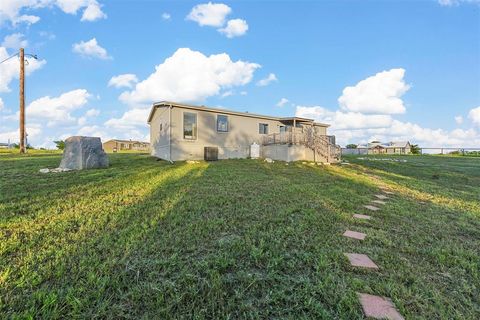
(83,153)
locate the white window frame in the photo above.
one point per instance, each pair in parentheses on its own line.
(183,126)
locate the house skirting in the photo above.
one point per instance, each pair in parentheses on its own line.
(279,152)
(289,153)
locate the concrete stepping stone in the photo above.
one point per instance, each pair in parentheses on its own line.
(361,260)
(373,208)
(379,201)
(381,197)
(362,216)
(354,235)
(378,307)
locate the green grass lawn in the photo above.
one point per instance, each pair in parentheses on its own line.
(236,239)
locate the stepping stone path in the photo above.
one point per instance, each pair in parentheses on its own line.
(378,307)
(373,306)
(354,235)
(362,216)
(361,260)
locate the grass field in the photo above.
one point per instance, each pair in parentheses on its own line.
(236,239)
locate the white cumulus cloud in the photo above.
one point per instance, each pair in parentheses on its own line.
(352,127)
(14,41)
(130,120)
(427,137)
(91,49)
(10,10)
(227,93)
(379,94)
(57,110)
(32,130)
(451,3)
(474,115)
(459,119)
(89,114)
(209,14)
(123,81)
(343,120)
(93,12)
(9,70)
(92,112)
(266,81)
(94,131)
(14,10)
(282,102)
(2,105)
(189,76)
(70,6)
(166,16)
(234,28)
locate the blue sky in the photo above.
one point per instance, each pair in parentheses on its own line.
(383,70)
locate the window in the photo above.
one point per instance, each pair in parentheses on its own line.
(190,126)
(222,123)
(263,128)
(283,129)
(161,127)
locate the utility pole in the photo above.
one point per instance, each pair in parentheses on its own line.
(21,55)
(22,100)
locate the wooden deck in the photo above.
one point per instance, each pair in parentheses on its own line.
(322,144)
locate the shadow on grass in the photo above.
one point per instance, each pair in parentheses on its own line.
(24,192)
(212,240)
(456,191)
(231,239)
(74,247)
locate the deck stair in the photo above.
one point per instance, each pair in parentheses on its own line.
(323,145)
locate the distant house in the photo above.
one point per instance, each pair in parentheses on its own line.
(4,145)
(186,132)
(393,147)
(116,145)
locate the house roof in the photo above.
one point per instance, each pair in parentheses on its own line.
(224,111)
(125,141)
(391,144)
(370,145)
(398,144)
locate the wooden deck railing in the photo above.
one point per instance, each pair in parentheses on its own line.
(322,144)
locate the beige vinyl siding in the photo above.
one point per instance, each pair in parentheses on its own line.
(109,145)
(235,143)
(291,153)
(242,130)
(160,134)
(320,130)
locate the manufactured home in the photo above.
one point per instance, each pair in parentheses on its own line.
(116,145)
(392,147)
(187,132)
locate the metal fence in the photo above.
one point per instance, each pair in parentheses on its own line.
(426,150)
(445,150)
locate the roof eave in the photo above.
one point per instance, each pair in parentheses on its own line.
(182,105)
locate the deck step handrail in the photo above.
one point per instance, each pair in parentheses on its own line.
(322,144)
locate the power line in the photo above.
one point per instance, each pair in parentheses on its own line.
(34,56)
